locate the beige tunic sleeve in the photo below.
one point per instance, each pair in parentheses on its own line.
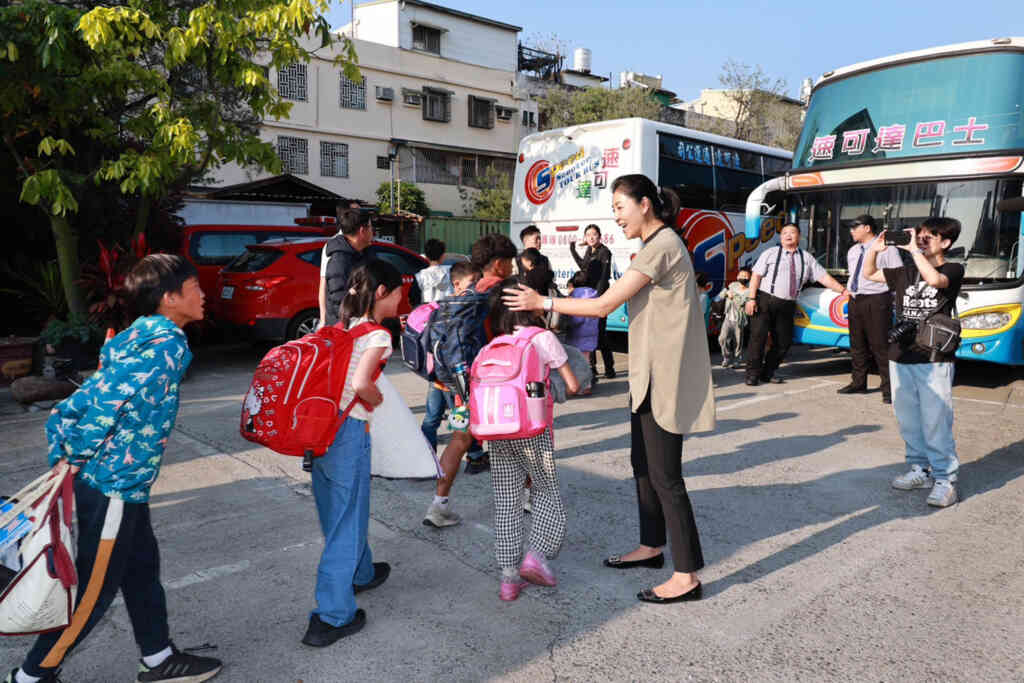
(668,343)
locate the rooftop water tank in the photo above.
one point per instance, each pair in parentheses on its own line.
(581,60)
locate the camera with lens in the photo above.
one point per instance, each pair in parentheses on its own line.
(903,332)
(897,238)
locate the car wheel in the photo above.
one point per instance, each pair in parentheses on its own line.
(304,323)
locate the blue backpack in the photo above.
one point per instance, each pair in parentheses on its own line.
(455,333)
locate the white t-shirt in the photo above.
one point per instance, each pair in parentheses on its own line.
(374,340)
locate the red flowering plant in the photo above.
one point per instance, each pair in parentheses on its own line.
(103,283)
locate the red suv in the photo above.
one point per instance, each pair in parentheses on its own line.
(271,289)
(211,247)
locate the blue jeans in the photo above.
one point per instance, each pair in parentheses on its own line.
(341,488)
(922,398)
(438,401)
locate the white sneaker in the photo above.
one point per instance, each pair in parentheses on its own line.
(943,493)
(439,517)
(916,478)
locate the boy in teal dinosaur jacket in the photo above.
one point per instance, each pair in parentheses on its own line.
(113,432)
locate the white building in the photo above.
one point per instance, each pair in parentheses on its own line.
(437,98)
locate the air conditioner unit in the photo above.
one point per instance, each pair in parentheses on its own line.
(385,94)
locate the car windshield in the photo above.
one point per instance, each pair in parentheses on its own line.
(988,242)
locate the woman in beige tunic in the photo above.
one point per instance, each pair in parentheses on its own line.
(669,380)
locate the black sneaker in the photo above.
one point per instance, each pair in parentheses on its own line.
(50,677)
(481,464)
(180,667)
(322,634)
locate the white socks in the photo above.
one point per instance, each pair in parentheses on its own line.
(22,677)
(159,658)
(441,502)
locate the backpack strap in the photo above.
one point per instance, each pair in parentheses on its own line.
(775,275)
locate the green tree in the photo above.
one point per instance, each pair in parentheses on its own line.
(561,107)
(145,95)
(491,199)
(408,197)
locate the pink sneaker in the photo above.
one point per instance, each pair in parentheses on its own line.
(510,590)
(536,570)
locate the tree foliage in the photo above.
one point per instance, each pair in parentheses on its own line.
(755,110)
(561,107)
(491,199)
(408,197)
(144,95)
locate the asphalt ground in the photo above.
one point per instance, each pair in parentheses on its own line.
(816,569)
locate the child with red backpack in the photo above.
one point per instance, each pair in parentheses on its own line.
(341,477)
(511,407)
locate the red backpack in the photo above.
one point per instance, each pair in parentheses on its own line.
(292,404)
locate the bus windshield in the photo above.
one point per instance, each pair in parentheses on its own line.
(988,241)
(963,104)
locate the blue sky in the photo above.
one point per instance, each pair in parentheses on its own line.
(688,42)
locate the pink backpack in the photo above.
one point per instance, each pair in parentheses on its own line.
(500,406)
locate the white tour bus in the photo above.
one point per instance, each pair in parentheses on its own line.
(563,184)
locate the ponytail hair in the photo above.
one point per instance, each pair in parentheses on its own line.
(363,284)
(664,203)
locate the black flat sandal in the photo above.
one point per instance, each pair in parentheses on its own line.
(616,562)
(648,595)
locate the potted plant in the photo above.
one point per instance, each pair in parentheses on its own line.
(76,338)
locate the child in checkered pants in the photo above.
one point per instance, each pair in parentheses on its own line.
(513,460)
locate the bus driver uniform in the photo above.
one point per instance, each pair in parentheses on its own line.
(783,274)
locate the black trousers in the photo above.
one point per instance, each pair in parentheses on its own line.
(870,316)
(664,505)
(775,317)
(602,346)
(131,566)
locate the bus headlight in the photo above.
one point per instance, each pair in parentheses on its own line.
(989,319)
(985,321)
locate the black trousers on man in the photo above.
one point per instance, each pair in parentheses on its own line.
(870,316)
(774,317)
(664,505)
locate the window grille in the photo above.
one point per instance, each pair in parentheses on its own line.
(294,153)
(383,163)
(291,82)
(426,38)
(481,112)
(334,159)
(353,94)
(437,105)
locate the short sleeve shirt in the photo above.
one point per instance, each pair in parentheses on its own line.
(914,299)
(374,340)
(889,258)
(550,350)
(667,332)
(807,270)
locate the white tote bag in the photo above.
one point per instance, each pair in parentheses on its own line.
(398,449)
(41,597)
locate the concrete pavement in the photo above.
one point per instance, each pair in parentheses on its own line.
(817,570)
